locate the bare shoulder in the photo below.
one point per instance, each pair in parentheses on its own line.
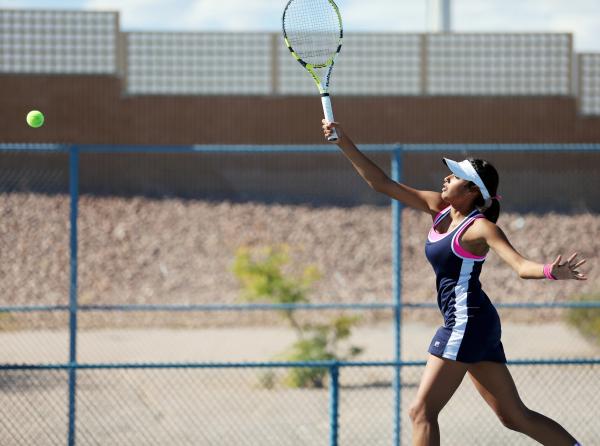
(483,228)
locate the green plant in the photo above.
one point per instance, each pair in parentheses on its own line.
(7,322)
(586,320)
(263,279)
(321,344)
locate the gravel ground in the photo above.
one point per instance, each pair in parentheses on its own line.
(138,250)
(219,406)
(243,344)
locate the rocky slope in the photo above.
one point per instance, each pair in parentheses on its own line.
(137,250)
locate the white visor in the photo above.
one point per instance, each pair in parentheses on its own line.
(465,171)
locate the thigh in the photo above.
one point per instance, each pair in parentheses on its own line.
(497,387)
(440,380)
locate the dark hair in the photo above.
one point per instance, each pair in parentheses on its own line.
(489,176)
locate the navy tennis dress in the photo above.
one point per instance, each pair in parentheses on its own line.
(471,330)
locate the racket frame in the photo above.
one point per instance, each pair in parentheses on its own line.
(322,86)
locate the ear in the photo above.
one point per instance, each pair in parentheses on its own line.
(473,188)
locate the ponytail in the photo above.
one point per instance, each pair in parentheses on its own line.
(493,212)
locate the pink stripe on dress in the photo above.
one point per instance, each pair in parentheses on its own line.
(435,220)
(434,236)
(459,250)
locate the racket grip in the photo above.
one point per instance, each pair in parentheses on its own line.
(328,111)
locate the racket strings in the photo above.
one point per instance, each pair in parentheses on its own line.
(313,30)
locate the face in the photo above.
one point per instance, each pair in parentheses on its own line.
(456,189)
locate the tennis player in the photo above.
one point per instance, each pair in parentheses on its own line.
(464,229)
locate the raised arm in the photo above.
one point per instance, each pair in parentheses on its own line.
(527,269)
(377,179)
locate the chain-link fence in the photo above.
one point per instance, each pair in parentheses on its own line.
(122,322)
(225,404)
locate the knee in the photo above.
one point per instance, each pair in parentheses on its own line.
(509,421)
(419,413)
(515,420)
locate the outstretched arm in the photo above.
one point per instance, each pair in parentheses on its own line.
(527,269)
(377,179)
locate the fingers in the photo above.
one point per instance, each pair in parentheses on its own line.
(576,274)
(569,268)
(573,263)
(570,259)
(328,128)
(329,125)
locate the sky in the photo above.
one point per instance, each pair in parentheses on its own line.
(580,17)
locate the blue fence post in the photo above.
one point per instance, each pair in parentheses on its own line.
(74,193)
(397,293)
(334,374)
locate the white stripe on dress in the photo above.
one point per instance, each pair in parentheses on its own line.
(461,291)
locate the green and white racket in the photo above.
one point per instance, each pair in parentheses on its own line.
(312,30)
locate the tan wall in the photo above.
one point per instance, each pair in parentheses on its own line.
(91,110)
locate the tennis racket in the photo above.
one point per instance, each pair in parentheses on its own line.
(312,30)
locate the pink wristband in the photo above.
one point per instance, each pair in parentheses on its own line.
(548,272)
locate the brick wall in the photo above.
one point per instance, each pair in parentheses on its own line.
(93,110)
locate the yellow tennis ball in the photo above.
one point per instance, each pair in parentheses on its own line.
(35,119)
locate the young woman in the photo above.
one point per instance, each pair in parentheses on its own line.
(464,229)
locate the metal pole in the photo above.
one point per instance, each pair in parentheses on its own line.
(334,373)
(446,16)
(275,44)
(438,16)
(397,292)
(74,192)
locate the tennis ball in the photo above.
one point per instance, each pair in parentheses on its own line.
(35,119)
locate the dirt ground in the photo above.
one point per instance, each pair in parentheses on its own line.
(182,406)
(521,340)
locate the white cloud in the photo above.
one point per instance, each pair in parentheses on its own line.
(249,15)
(195,15)
(383,15)
(145,14)
(580,17)
(256,15)
(39,4)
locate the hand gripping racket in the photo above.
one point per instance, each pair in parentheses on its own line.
(312,30)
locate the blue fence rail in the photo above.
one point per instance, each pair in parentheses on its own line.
(396,305)
(336,404)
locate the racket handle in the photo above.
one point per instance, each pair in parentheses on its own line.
(328,111)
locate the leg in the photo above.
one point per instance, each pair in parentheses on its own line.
(440,379)
(496,386)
